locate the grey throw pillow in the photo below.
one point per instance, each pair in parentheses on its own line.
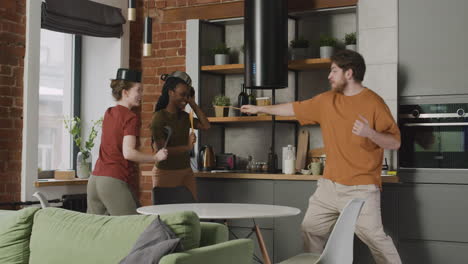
(154,243)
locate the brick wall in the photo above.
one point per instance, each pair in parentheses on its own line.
(168,55)
(12,50)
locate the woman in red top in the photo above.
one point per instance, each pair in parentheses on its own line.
(109,188)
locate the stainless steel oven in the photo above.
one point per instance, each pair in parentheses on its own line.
(434,136)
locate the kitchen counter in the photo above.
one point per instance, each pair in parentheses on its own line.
(267,176)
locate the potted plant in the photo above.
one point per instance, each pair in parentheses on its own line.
(327,46)
(350,41)
(221,54)
(221,104)
(83,159)
(299,48)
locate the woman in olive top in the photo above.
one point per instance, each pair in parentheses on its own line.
(110,187)
(169,111)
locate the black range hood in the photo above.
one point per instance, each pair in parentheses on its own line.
(266,44)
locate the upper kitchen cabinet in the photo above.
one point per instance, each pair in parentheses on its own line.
(432,36)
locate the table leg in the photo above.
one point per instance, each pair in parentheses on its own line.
(261,243)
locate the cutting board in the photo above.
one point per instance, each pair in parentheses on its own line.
(302,147)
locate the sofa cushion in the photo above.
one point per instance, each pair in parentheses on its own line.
(155,242)
(62,236)
(186,226)
(15,231)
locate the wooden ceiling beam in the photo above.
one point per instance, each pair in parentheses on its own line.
(236,9)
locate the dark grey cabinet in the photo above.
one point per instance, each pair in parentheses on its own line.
(428,222)
(431,47)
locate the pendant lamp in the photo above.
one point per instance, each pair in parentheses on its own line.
(148,36)
(131,10)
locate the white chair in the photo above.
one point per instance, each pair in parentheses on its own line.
(42,199)
(339,247)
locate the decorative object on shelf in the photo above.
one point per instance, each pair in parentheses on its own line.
(327,46)
(242,99)
(316,166)
(299,48)
(251,100)
(221,54)
(83,159)
(221,104)
(148,36)
(263,101)
(131,10)
(350,41)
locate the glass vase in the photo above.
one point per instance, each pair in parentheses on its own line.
(83,166)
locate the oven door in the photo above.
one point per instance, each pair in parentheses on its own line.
(434,145)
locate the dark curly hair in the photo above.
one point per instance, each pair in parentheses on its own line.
(169,85)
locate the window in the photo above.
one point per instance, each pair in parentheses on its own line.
(56,99)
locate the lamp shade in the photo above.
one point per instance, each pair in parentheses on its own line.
(131,10)
(148,36)
(266,44)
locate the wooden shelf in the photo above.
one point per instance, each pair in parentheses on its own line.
(297,65)
(224,69)
(309,64)
(242,119)
(54,182)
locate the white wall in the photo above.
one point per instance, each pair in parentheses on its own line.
(101,59)
(378,43)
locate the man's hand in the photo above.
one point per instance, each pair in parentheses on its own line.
(361,127)
(160,155)
(249,109)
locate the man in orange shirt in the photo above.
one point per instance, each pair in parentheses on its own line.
(356,126)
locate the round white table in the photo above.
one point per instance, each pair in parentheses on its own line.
(227,211)
(223,210)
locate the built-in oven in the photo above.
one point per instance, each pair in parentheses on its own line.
(434,136)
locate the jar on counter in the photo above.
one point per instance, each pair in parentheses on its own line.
(264,167)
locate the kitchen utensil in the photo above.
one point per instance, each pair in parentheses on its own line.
(168,132)
(302,146)
(206,158)
(191,121)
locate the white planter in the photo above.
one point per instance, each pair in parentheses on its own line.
(221,59)
(351,47)
(326,51)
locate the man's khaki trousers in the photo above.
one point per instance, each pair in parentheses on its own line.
(325,206)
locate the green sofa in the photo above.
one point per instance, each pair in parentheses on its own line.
(57,236)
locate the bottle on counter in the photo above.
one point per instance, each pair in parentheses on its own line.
(289,161)
(252,100)
(272,161)
(242,99)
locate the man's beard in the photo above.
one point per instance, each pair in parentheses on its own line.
(339,86)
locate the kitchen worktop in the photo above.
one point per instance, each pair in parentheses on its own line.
(267,176)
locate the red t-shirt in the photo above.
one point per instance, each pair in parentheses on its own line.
(118,122)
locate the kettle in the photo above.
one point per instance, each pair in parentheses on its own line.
(206,158)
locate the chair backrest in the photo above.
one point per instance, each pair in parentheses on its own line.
(339,248)
(172,195)
(42,199)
